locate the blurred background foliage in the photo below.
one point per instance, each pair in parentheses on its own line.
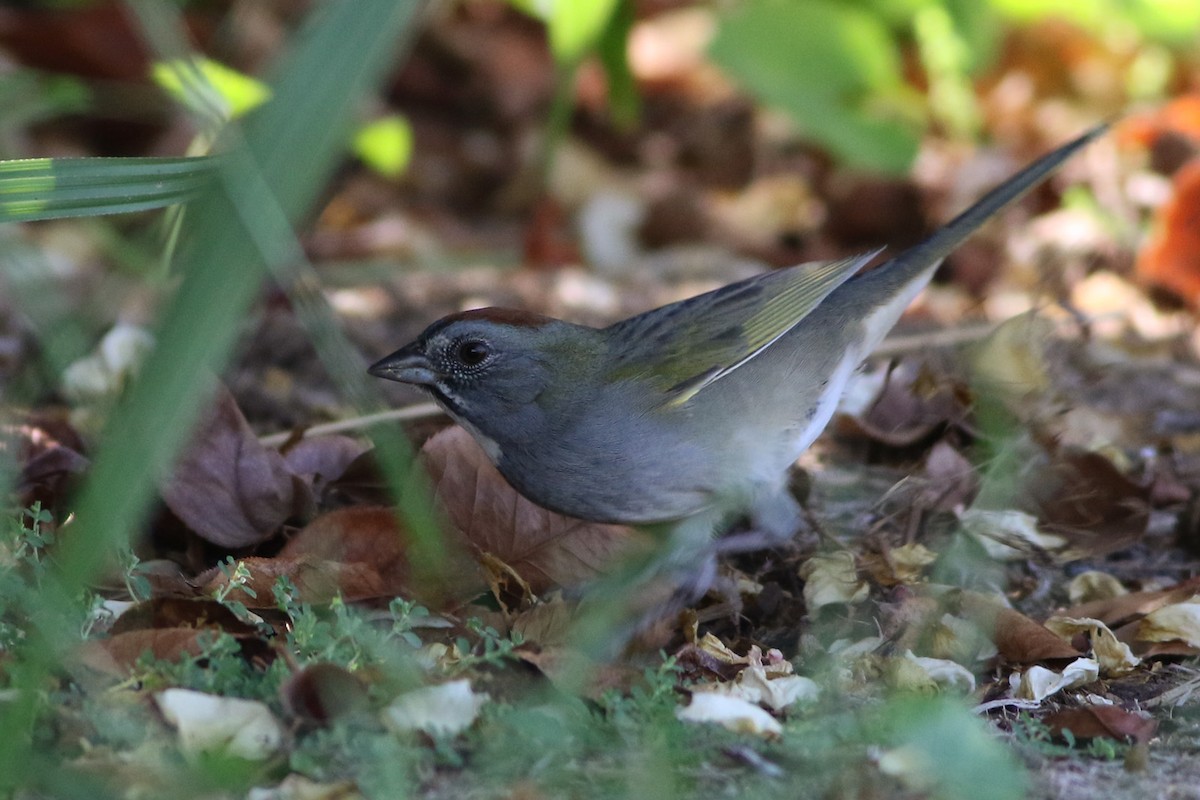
(258,125)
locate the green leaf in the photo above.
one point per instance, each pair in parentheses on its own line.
(834,68)
(623,102)
(385,145)
(204,85)
(574,26)
(49,188)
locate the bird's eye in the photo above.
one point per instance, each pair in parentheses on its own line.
(472,352)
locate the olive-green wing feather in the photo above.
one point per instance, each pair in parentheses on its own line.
(704,338)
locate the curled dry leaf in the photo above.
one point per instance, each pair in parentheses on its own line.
(914,403)
(1114,656)
(734,713)
(1092,586)
(1082,497)
(832,578)
(229,488)
(1019,639)
(1102,722)
(1178,622)
(1038,683)
(939,673)
(548,550)
(321,460)
(1127,609)
(1008,535)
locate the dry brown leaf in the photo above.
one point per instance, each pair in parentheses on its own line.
(913,404)
(316,580)
(229,488)
(1102,722)
(1083,498)
(548,550)
(1119,612)
(321,460)
(119,654)
(1019,639)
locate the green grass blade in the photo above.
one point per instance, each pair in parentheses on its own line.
(50,188)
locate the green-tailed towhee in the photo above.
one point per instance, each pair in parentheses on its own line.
(694,409)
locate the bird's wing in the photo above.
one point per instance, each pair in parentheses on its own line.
(704,338)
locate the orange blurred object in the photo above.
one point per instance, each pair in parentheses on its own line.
(1171,258)
(1180,117)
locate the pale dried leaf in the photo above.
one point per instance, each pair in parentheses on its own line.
(446,709)
(832,578)
(1008,535)
(1114,656)
(1178,622)
(229,725)
(733,713)
(1037,683)
(1093,585)
(943,673)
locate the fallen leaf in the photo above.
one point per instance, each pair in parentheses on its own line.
(1037,683)
(1019,639)
(1114,656)
(734,713)
(1082,497)
(1175,622)
(117,655)
(321,460)
(1102,722)
(227,725)
(372,537)
(548,550)
(1008,535)
(832,579)
(1092,586)
(914,403)
(941,673)
(229,488)
(1123,610)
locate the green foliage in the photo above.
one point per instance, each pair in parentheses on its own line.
(1172,22)
(835,67)
(385,145)
(940,748)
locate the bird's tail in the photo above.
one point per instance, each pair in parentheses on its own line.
(900,279)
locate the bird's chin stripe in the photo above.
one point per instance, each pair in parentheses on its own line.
(447,402)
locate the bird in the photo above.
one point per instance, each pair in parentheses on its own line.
(692,413)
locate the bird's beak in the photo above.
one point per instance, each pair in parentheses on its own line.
(406,365)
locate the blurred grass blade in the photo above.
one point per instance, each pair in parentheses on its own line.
(50,188)
(291,147)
